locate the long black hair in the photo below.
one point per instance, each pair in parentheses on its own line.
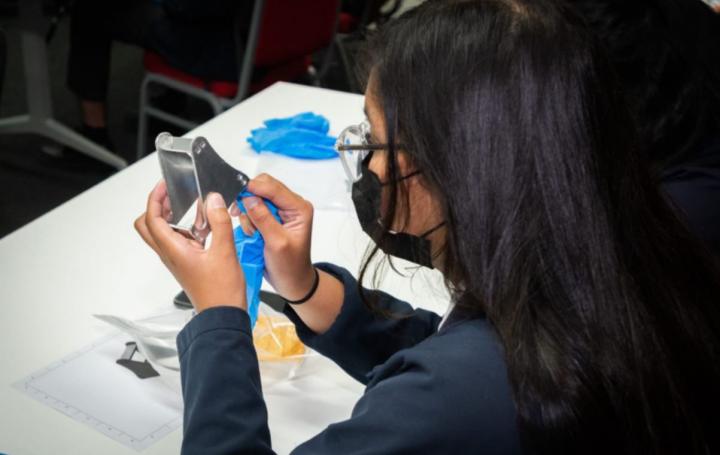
(606,307)
(667,56)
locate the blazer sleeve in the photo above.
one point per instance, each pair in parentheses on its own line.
(362,338)
(224,410)
(423,400)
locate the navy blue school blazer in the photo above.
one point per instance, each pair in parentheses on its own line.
(427,391)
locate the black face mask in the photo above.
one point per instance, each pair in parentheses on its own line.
(366,196)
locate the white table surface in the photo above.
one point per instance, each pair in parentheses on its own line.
(84,258)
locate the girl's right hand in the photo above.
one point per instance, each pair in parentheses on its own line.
(288,266)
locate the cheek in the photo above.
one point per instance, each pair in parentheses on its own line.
(400,223)
(378,164)
(420,212)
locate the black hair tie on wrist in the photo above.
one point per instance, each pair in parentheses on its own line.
(309,294)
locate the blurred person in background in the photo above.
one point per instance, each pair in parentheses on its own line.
(194,36)
(667,57)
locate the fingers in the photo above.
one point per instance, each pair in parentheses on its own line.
(243,219)
(142,229)
(267,187)
(263,220)
(160,231)
(220,224)
(234,210)
(166,209)
(246,225)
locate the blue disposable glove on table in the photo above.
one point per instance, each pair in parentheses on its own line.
(301,136)
(250,253)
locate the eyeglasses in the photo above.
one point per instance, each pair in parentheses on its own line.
(354,146)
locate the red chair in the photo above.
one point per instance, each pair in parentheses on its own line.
(283,36)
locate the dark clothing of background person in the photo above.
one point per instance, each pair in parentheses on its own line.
(193,36)
(694,190)
(667,58)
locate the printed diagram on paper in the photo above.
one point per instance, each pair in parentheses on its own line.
(90,387)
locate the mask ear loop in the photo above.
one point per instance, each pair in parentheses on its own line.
(404,177)
(431,230)
(415,268)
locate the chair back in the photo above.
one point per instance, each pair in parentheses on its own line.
(292,29)
(283,31)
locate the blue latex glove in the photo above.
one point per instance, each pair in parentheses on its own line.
(250,253)
(302,136)
(305,121)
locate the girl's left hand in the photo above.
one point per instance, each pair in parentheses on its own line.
(211,277)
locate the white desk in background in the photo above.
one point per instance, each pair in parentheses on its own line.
(85,258)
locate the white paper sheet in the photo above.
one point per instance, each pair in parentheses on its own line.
(94,390)
(89,386)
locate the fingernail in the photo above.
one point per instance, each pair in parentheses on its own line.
(250,202)
(215,201)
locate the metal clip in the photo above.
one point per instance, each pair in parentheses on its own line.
(142,370)
(192,169)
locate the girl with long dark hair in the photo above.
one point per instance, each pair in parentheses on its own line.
(498,149)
